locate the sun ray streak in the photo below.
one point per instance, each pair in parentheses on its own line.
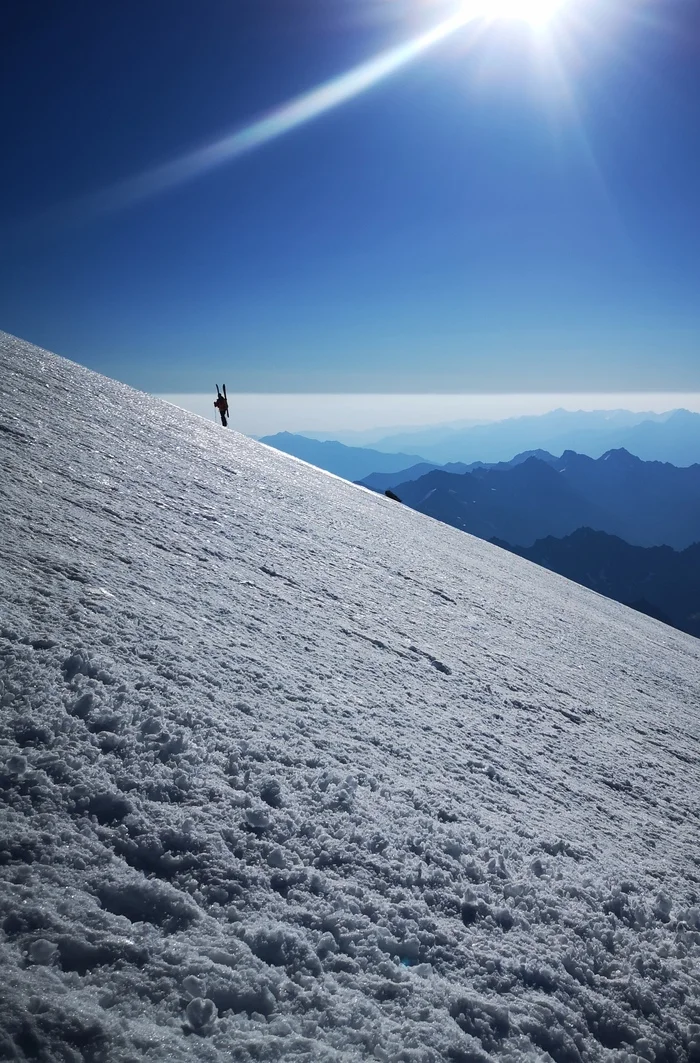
(284,119)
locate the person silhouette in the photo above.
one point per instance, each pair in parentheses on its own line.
(221,403)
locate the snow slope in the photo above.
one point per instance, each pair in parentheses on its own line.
(290,771)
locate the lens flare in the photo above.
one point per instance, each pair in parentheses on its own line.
(284,119)
(296,112)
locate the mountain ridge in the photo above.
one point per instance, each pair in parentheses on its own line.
(380,481)
(645,503)
(352,463)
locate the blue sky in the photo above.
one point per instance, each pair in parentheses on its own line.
(509,212)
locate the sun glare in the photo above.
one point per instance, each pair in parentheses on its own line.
(536,12)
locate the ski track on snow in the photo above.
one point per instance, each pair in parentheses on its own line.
(291,771)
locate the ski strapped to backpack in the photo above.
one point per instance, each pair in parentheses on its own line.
(221,404)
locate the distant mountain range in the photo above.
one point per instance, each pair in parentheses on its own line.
(380,481)
(368,437)
(352,463)
(645,503)
(658,581)
(672,437)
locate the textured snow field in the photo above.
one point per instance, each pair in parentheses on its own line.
(290,771)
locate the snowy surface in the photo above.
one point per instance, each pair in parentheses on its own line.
(290,771)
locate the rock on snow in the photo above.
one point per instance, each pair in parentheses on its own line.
(291,772)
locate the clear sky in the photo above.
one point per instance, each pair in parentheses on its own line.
(510,210)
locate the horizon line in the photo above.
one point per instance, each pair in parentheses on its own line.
(443,394)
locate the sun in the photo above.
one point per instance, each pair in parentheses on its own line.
(536,12)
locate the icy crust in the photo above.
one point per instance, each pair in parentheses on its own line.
(290,772)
